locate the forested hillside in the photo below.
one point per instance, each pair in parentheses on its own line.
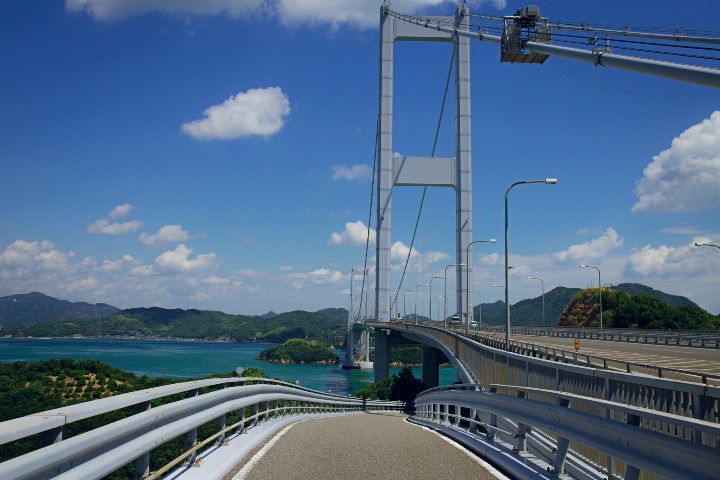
(199,324)
(640,310)
(28,308)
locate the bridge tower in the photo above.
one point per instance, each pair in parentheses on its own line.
(421,171)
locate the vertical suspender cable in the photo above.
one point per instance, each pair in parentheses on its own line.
(372,192)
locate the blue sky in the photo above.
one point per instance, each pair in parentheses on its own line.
(217,155)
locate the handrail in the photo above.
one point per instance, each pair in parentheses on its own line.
(40,422)
(105,449)
(563,419)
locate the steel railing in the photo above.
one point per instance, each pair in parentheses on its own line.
(546,424)
(104,450)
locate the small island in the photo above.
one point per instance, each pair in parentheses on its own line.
(297,350)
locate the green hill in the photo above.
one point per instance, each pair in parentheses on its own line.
(675,300)
(297,350)
(198,324)
(529,311)
(637,310)
(29,308)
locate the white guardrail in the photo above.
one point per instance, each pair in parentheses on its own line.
(104,450)
(514,431)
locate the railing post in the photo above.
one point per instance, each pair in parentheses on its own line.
(631,472)
(54,435)
(142,463)
(241,421)
(521,435)
(255,410)
(191,435)
(562,446)
(221,427)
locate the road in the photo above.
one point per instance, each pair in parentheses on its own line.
(375,445)
(701,360)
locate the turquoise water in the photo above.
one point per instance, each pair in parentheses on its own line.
(175,359)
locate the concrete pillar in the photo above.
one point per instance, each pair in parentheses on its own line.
(430,367)
(382,355)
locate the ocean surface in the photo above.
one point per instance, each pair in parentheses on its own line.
(188,359)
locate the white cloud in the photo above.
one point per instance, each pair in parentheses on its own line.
(357,172)
(360,14)
(685,177)
(681,230)
(286,268)
(214,280)
(121,211)
(178,260)
(25,256)
(685,261)
(258,111)
(593,249)
(165,236)
(105,227)
(113,10)
(355,233)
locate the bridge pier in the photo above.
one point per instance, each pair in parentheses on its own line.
(431,367)
(382,354)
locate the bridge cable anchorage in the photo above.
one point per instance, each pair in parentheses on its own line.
(658,53)
(422,199)
(372,193)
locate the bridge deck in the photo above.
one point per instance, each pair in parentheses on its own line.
(373,445)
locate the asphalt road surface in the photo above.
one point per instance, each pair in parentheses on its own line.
(693,359)
(376,445)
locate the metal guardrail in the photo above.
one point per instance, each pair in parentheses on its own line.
(103,450)
(497,366)
(552,421)
(685,338)
(560,355)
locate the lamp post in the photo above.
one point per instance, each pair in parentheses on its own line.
(467,281)
(543,297)
(405,311)
(416,299)
(706,245)
(600,287)
(479,322)
(549,181)
(445,295)
(431,298)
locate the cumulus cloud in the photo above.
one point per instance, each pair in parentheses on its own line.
(685,177)
(357,172)
(593,249)
(165,236)
(105,226)
(359,14)
(319,276)
(114,10)
(664,261)
(179,260)
(23,256)
(258,111)
(355,233)
(121,211)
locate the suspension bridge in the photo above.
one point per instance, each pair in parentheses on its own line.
(531,408)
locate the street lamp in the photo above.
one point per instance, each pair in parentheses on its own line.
(706,245)
(405,311)
(467,281)
(543,296)
(431,298)
(445,296)
(549,181)
(416,298)
(600,287)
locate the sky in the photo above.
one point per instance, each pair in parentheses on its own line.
(218,155)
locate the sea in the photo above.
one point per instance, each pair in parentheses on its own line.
(193,359)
